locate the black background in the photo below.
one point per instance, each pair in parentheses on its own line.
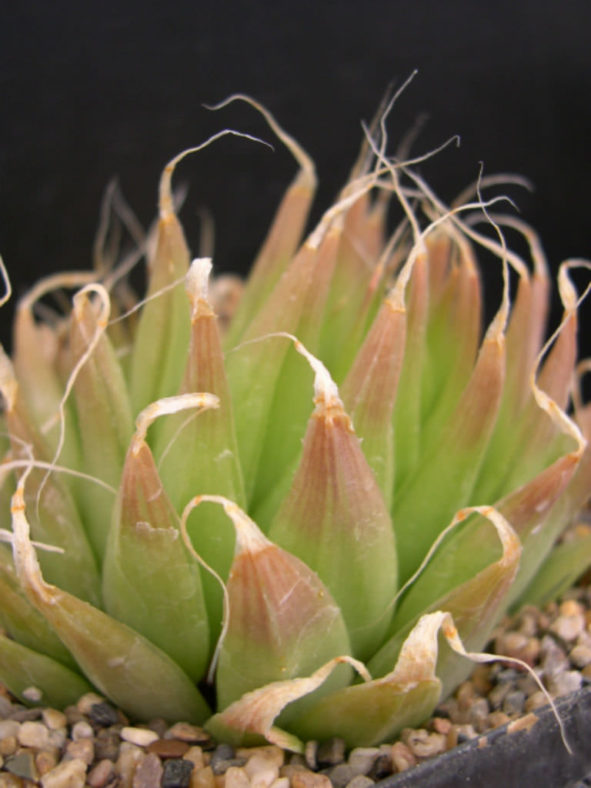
(92,90)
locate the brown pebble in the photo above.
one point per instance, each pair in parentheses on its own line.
(46,760)
(402,757)
(8,745)
(8,780)
(100,774)
(168,748)
(306,779)
(148,772)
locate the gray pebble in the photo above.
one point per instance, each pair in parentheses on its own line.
(340,775)
(176,773)
(514,702)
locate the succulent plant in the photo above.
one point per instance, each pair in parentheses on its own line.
(287,509)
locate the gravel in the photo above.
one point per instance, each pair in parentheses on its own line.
(94,744)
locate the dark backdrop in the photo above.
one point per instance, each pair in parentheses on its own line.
(91,90)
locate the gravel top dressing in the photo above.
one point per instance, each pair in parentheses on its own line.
(94,744)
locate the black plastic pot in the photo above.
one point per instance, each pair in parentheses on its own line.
(515,758)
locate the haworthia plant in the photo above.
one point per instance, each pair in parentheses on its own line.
(331,464)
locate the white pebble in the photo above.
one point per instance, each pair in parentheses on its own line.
(140,736)
(33,734)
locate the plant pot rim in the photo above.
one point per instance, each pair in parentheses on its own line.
(531,752)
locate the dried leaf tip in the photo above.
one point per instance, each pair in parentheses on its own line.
(167,406)
(326,392)
(165,200)
(249,538)
(25,559)
(197,286)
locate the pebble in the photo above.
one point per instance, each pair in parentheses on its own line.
(67,774)
(92,743)
(514,702)
(100,774)
(341,774)
(236,778)
(186,732)
(306,779)
(330,752)
(82,749)
(149,772)
(23,765)
(106,744)
(580,656)
(422,743)
(33,734)
(103,714)
(87,701)
(169,748)
(402,757)
(176,773)
(140,736)
(54,719)
(564,683)
(82,730)
(362,759)
(360,781)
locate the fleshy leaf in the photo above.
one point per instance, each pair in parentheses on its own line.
(369,390)
(334,518)
(54,515)
(476,601)
(451,460)
(22,621)
(200,455)
(121,663)
(560,570)
(150,581)
(250,719)
(32,676)
(103,408)
(282,621)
